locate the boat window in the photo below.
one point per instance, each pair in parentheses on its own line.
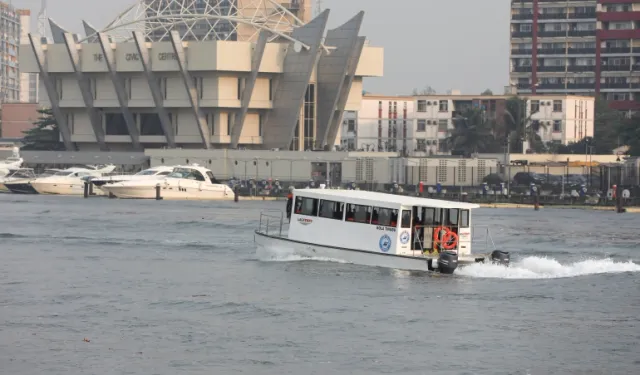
(213,178)
(165,173)
(384,216)
(331,209)
(464,219)
(146,172)
(431,217)
(358,213)
(187,173)
(63,173)
(437,216)
(406,219)
(453,217)
(306,206)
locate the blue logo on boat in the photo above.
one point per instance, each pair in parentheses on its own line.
(405,237)
(385,243)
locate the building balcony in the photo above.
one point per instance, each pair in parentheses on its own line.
(521,34)
(617,85)
(551,86)
(521,69)
(551,68)
(581,85)
(526,52)
(616,50)
(588,15)
(551,51)
(552,34)
(581,68)
(615,68)
(581,51)
(521,17)
(552,16)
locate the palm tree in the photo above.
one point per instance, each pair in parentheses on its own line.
(519,127)
(472,132)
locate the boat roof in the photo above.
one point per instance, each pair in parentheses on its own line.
(371,198)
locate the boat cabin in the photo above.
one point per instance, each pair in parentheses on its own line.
(194,172)
(380,222)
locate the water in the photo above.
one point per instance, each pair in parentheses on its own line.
(176,288)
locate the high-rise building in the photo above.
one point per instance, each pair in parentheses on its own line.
(28,81)
(9,42)
(577,47)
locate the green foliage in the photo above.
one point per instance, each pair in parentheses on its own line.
(45,136)
(472,133)
(487,92)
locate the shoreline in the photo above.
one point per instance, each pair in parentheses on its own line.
(566,207)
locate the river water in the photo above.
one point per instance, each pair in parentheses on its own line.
(98,286)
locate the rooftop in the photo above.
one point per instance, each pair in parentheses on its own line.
(370,197)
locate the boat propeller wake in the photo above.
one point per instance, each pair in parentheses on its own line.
(546,268)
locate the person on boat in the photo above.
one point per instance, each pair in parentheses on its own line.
(418,233)
(289,202)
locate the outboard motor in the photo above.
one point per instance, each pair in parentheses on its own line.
(447,262)
(500,257)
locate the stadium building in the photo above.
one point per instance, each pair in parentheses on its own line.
(254,74)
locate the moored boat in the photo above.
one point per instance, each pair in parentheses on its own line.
(191,182)
(69,181)
(23,185)
(154,173)
(375,229)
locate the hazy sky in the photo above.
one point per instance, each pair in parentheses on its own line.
(450,44)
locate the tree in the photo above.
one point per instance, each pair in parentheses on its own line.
(607,123)
(427,90)
(518,126)
(45,136)
(629,131)
(472,133)
(487,92)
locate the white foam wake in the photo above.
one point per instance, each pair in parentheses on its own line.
(282,255)
(546,268)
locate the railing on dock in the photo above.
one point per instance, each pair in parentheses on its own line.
(271,222)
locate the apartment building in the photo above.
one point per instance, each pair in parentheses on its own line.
(9,41)
(419,125)
(577,48)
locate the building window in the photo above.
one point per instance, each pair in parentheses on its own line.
(240,88)
(127,87)
(260,124)
(444,106)
(211,123)
(351,125)
(71,122)
(422,125)
(115,124)
(535,106)
(59,88)
(150,124)
(162,86)
(309,119)
(197,83)
(557,126)
(557,105)
(229,119)
(421,145)
(270,88)
(443,125)
(422,105)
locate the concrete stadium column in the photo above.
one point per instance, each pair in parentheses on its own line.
(119,88)
(332,71)
(203,127)
(52,93)
(280,124)
(334,125)
(165,121)
(245,99)
(95,118)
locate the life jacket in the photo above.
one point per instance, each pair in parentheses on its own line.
(289,196)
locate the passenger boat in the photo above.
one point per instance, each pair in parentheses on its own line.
(191,182)
(375,229)
(155,173)
(69,181)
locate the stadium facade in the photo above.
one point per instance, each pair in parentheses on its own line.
(159,79)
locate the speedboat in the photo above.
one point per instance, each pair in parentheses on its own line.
(23,185)
(69,181)
(375,229)
(191,182)
(11,163)
(13,175)
(155,173)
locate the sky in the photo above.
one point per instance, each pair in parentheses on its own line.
(446,44)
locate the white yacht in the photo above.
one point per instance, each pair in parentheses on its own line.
(191,182)
(23,185)
(69,181)
(375,229)
(11,163)
(14,175)
(155,173)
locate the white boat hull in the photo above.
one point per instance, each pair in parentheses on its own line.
(62,188)
(280,245)
(183,192)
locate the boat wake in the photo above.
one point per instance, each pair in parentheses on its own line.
(280,255)
(546,268)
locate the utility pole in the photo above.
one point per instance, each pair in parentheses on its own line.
(318,7)
(42,19)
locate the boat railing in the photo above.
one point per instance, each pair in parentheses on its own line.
(484,233)
(271,222)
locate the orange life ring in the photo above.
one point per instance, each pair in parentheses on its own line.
(450,240)
(436,232)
